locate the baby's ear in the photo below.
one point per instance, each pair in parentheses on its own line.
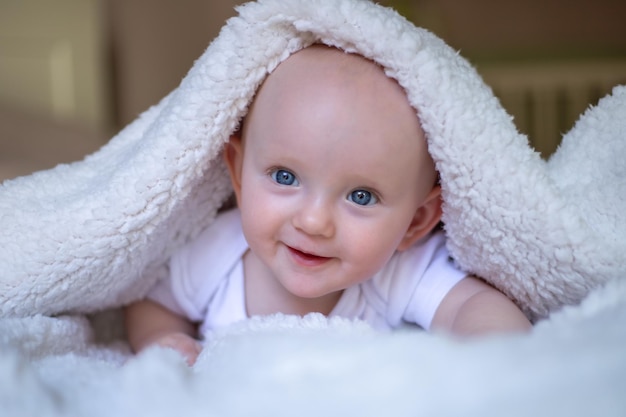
(233,156)
(426,217)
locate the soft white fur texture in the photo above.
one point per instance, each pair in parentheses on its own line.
(94,235)
(570,365)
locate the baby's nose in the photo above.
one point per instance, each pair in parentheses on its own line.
(315,219)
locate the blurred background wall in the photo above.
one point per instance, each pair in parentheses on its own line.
(73,72)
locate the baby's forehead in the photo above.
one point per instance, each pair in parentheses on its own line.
(324,70)
(333,57)
(324,91)
(329,61)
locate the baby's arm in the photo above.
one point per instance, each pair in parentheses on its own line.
(473,307)
(148,324)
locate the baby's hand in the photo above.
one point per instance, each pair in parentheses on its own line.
(186,345)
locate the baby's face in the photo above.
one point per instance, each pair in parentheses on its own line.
(334,166)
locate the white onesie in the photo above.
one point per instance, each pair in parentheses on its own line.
(206,282)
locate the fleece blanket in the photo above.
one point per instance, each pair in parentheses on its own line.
(79,241)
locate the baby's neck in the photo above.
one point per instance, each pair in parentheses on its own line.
(265,296)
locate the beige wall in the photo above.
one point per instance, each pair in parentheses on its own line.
(100,62)
(52,59)
(523,29)
(73,72)
(155,42)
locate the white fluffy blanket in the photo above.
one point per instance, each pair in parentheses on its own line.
(93,235)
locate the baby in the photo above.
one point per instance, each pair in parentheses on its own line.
(338,205)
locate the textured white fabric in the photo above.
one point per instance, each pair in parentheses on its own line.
(206,282)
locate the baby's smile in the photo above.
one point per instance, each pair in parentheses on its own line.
(306,259)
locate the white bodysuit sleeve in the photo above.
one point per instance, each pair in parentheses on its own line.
(198,268)
(435,283)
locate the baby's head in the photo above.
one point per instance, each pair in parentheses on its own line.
(331,150)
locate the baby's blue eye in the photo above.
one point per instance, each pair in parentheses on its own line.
(284,177)
(362,197)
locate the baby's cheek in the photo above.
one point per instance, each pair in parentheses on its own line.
(369,253)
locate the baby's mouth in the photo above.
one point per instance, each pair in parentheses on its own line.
(305,258)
